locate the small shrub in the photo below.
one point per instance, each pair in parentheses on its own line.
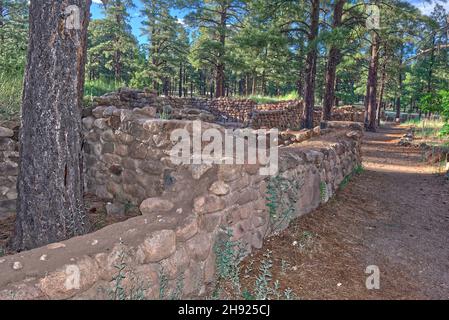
(136,291)
(163,283)
(323,191)
(228,256)
(359,169)
(282,196)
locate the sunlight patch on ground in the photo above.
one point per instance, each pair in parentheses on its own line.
(385,167)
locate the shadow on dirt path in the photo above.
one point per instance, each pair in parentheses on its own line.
(394,215)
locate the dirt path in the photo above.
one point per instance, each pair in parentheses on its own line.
(394,215)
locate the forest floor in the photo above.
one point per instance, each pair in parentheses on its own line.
(394,215)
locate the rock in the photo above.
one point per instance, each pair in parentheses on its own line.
(209,268)
(101,123)
(55,245)
(88,122)
(193,280)
(155,205)
(160,245)
(6,133)
(9,169)
(210,222)
(115,209)
(17,265)
(176,264)
(146,111)
(11,195)
(199,246)
(198,170)
(70,279)
(187,229)
(108,262)
(98,111)
(229,172)
(219,188)
(22,291)
(208,204)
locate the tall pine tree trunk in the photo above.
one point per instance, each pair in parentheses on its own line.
(371,98)
(50,185)
(398,98)
(220,69)
(381,94)
(333,61)
(309,89)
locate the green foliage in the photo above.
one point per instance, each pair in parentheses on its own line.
(359,169)
(323,191)
(260,99)
(265,288)
(13,36)
(99,87)
(10,95)
(282,195)
(135,291)
(163,283)
(112,49)
(228,255)
(356,171)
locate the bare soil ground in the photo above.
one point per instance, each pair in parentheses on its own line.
(394,215)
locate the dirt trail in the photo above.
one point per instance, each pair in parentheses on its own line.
(394,215)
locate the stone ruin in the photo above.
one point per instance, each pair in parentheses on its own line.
(186,210)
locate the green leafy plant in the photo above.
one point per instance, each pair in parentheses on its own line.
(228,256)
(163,283)
(282,196)
(135,291)
(323,191)
(359,169)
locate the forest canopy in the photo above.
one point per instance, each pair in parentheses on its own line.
(253,48)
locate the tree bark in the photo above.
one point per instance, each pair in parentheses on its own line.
(309,89)
(381,94)
(398,98)
(50,185)
(333,60)
(220,70)
(370,124)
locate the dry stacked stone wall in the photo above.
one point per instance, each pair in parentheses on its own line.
(187,210)
(283,115)
(9,157)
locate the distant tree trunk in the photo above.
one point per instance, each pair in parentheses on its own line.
(180,81)
(309,90)
(398,98)
(333,61)
(370,124)
(253,86)
(220,72)
(50,186)
(381,94)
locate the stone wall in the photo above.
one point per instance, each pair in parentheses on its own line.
(226,111)
(186,210)
(9,157)
(283,115)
